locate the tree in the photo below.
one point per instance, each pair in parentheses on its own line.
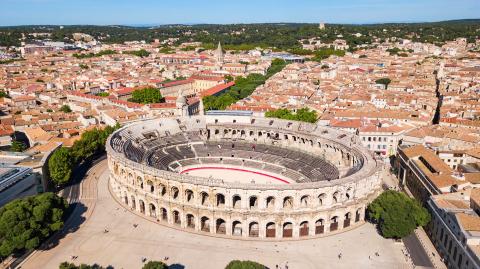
(396,214)
(26,222)
(236,264)
(65,109)
(18,146)
(384,81)
(303,114)
(147,95)
(155,265)
(60,166)
(3,94)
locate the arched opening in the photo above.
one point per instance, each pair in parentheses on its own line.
(253,229)
(205,224)
(253,202)
(346,221)
(287,229)
(175,193)
(336,197)
(349,193)
(134,205)
(220,200)
(189,196)
(190,221)
(357,215)
(162,189)
(125,198)
(321,199)
(334,224)
(288,202)
(319,226)
(237,228)
(236,201)
(204,199)
(304,228)
(270,202)
(304,201)
(163,211)
(176,218)
(142,206)
(150,186)
(270,229)
(153,210)
(220,226)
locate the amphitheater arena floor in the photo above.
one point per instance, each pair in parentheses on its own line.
(237,174)
(124,246)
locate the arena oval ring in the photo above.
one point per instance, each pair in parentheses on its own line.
(232,174)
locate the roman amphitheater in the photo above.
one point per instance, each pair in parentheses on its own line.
(231,174)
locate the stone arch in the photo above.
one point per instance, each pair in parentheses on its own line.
(236,201)
(253,202)
(190,221)
(237,228)
(319,226)
(270,202)
(150,186)
(333,223)
(164,214)
(205,224)
(287,229)
(336,196)
(358,214)
(305,201)
(349,193)
(347,220)
(220,226)
(139,182)
(141,203)
(134,204)
(174,192)
(162,189)
(204,199)
(176,218)
(270,229)
(322,199)
(304,228)
(288,202)
(253,229)
(189,196)
(152,210)
(220,200)
(125,198)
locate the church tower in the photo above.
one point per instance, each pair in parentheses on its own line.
(219,57)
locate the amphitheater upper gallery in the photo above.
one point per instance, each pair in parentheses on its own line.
(232,174)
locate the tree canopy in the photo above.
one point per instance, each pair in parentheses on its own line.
(236,264)
(155,265)
(63,160)
(303,114)
(140,53)
(244,86)
(26,222)
(18,146)
(384,81)
(60,166)
(147,95)
(66,109)
(396,214)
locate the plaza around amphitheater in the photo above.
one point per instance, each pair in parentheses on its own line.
(231,174)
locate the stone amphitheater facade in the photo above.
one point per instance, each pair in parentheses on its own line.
(144,177)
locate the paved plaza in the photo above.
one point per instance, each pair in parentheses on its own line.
(124,245)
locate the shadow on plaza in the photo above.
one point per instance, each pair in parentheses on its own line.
(72,223)
(176,266)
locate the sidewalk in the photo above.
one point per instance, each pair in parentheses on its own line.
(429,248)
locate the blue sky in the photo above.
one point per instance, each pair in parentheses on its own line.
(104,12)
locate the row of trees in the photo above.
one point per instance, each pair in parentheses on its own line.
(303,114)
(26,222)
(236,264)
(92,55)
(140,53)
(63,160)
(244,87)
(148,95)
